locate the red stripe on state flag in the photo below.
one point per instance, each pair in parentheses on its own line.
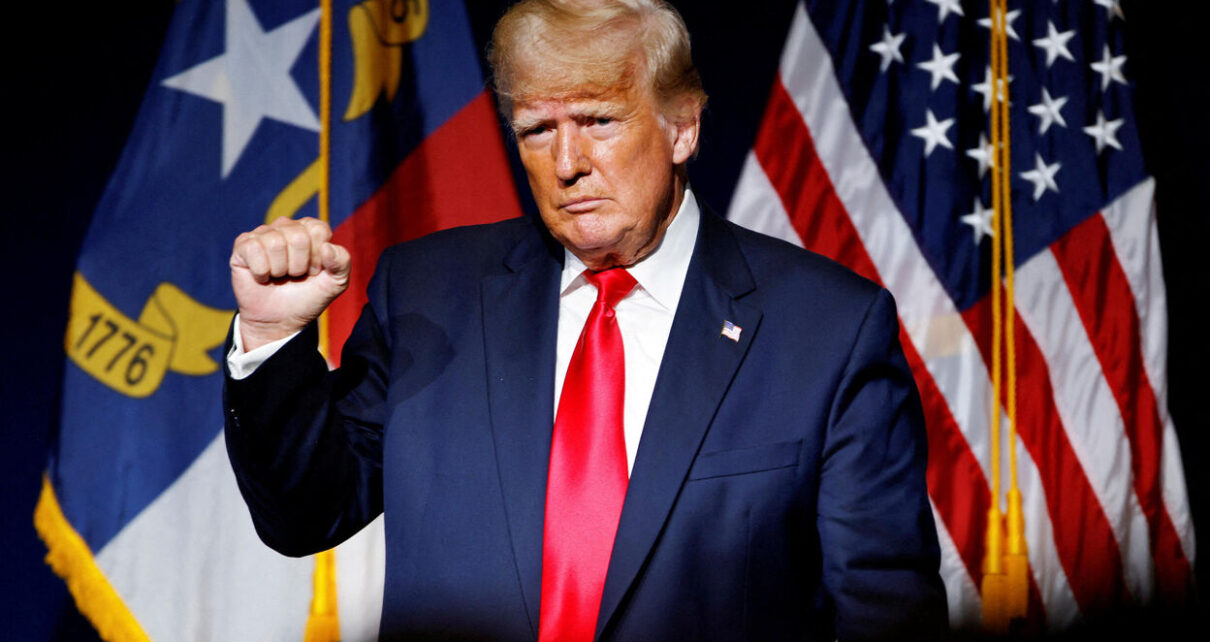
(787,155)
(1083,537)
(1104,301)
(459,175)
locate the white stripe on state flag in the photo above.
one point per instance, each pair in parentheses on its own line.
(1088,410)
(1132,231)
(190,566)
(360,576)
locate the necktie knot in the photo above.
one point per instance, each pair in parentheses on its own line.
(612,285)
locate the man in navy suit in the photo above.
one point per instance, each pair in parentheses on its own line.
(729,446)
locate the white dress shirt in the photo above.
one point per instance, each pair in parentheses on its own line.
(644,318)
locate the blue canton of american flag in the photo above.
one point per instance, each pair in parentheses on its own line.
(874,150)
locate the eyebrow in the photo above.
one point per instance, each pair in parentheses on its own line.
(524,124)
(577,110)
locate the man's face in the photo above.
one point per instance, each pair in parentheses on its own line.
(603,171)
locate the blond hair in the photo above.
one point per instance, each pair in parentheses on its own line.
(560,48)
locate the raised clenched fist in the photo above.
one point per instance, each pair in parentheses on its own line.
(284,275)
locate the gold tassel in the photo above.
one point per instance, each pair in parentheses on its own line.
(1016,561)
(995,583)
(323,623)
(69,556)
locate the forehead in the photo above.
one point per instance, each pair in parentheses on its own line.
(615,102)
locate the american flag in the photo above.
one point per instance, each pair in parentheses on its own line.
(874,150)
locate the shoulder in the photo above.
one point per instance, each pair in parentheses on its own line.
(789,274)
(488,243)
(477,248)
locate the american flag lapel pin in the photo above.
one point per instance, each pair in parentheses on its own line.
(731,331)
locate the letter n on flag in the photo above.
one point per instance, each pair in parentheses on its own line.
(139,509)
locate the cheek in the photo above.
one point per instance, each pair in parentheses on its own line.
(540,176)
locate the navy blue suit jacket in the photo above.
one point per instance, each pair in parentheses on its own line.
(778,491)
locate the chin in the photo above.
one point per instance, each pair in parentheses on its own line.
(596,253)
(588,236)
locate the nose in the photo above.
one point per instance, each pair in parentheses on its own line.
(571,160)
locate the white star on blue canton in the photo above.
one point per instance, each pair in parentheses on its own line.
(1110,68)
(985,88)
(946,7)
(1042,176)
(986,23)
(984,154)
(252,78)
(933,132)
(980,221)
(941,67)
(1105,132)
(1048,111)
(1055,44)
(888,48)
(1112,7)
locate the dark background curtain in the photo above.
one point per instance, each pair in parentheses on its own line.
(82,72)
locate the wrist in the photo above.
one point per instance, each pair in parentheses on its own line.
(254,334)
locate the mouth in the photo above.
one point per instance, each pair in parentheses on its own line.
(581,205)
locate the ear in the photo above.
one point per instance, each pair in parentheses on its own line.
(684,130)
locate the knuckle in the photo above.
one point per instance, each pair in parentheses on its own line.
(298,239)
(273,242)
(316,228)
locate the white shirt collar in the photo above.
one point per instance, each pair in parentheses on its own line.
(662,272)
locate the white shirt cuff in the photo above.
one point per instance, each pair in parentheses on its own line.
(242,364)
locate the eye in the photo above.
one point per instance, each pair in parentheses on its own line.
(530,132)
(601,121)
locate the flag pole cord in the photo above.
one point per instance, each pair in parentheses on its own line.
(1005,585)
(323,621)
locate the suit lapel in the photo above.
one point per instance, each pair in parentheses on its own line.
(682,405)
(520,322)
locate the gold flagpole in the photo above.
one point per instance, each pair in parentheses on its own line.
(323,621)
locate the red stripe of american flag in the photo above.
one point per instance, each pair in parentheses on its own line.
(1083,537)
(1103,298)
(787,154)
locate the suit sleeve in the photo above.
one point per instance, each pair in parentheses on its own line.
(306,443)
(877,536)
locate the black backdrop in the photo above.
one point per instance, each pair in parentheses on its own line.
(71,100)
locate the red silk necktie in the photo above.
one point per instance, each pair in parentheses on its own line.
(586,483)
